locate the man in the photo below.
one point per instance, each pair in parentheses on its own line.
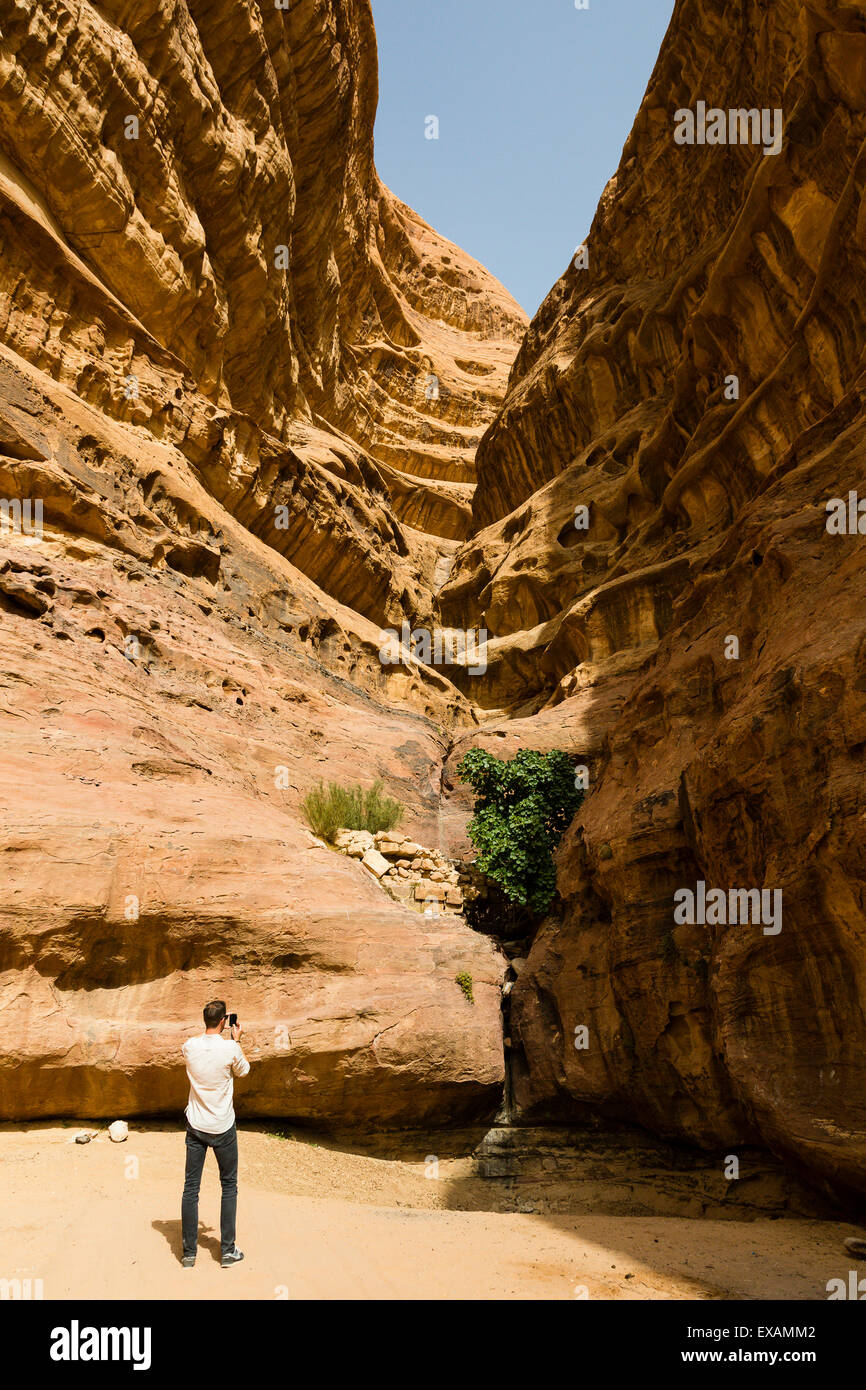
(210,1124)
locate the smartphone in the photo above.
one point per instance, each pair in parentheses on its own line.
(233,1018)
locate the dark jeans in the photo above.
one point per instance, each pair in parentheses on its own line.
(225,1146)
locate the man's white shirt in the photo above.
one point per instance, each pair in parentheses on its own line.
(211,1061)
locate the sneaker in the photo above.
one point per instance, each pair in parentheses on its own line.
(188,1261)
(232,1258)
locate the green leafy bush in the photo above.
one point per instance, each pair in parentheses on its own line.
(331,808)
(522,809)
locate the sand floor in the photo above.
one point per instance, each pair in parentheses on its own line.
(102,1220)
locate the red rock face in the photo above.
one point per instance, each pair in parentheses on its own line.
(707,520)
(189,197)
(216,333)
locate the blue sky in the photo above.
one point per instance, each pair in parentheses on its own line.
(535,100)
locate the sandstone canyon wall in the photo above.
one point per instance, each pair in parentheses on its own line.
(217,328)
(707,520)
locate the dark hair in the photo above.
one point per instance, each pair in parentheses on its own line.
(214,1013)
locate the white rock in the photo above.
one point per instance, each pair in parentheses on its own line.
(353,842)
(118,1131)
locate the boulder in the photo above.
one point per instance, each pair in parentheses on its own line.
(376,863)
(359,844)
(425,891)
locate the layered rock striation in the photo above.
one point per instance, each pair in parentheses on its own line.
(668,602)
(196,242)
(243,385)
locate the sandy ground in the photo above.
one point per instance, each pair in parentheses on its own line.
(103,1221)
